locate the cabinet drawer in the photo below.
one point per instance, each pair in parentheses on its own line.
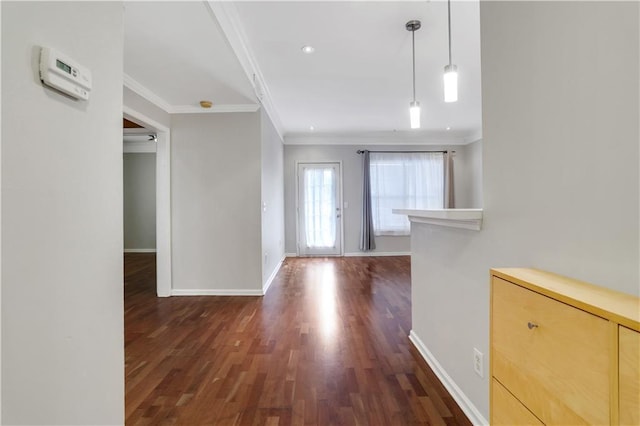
(507,410)
(559,367)
(629,376)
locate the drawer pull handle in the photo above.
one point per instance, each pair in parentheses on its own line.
(532,325)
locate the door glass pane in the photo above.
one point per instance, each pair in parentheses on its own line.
(320,207)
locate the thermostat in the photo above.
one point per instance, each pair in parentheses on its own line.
(64,74)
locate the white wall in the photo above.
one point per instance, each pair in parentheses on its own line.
(139,201)
(0,232)
(216,193)
(272,198)
(560,157)
(62,290)
(352,190)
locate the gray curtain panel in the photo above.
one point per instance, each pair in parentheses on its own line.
(449,194)
(367,239)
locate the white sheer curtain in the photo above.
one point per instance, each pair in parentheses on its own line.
(404,181)
(320,209)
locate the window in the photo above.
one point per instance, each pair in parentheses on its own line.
(404,181)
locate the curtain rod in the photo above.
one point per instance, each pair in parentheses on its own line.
(152,137)
(401,152)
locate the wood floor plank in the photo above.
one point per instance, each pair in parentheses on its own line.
(327,345)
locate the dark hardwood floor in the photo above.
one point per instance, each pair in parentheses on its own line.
(327,345)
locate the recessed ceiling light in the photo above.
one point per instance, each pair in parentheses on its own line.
(308,49)
(448,128)
(311,128)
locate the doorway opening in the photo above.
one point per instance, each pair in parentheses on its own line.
(150,145)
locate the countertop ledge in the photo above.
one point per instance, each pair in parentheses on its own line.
(454,218)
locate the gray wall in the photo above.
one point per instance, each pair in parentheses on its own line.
(560,154)
(352,190)
(215,187)
(468,175)
(272,197)
(62,310)
(139,201)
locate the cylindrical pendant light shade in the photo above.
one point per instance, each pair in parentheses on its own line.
(450,71)
(414,114)
(450,83)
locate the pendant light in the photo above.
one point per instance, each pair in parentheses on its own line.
(450,71)
(414,106)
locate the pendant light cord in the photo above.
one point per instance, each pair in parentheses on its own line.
(413,53)
(449,25)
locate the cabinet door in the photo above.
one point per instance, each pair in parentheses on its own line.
(552,357)
(629,351)
(507,410)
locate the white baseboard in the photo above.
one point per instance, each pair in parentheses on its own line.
(377,253)
(365,254)
(214,292)
(463,401)
(150,250)
(266,285)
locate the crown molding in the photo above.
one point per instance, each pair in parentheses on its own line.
(376,138)
(135,86)
(192,109)
(226,14)
(474,137)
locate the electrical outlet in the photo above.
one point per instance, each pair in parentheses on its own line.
(477,362)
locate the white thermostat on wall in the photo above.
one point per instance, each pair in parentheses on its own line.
(64,74)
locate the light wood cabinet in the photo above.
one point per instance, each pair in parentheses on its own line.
(629,376)
(562,351)
(508,411)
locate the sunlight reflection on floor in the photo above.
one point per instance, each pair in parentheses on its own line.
(323,277)
(327,300)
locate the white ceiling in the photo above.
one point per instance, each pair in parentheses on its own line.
(357,82)
(178,51)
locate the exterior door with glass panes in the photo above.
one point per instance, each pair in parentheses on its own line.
(319,209)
